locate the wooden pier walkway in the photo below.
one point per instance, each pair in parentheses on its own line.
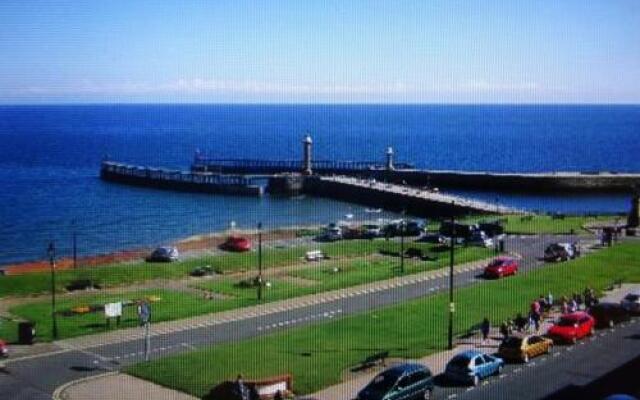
(171,179)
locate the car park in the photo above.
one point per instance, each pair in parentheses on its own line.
(237,244)
(631,302)
(164,254)
(572,327)
(471,366)
(608,314)
(501,266)
(523,348)
(404,381)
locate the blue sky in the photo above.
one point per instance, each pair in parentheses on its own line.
(422,51)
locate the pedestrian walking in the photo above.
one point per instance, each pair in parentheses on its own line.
(520,322)
(504,330)
(484,328)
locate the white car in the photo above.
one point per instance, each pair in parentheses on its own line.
(631,302)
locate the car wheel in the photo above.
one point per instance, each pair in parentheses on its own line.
(476,380)
(427,395)
(525,358)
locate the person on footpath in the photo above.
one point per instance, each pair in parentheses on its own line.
(536,314)
(484,328)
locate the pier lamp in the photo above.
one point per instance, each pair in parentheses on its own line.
(451,261)
(51,252)
(259,261)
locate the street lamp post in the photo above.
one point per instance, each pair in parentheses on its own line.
(51,251)
(402,224)
(451,260)
(259,261)
(75,247)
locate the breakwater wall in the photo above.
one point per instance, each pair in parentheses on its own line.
(415,201)
(168,179)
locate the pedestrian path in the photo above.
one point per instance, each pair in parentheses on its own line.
(116,386)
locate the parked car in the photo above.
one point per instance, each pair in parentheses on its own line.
(4,349)
(631,302)
(414,228)
(560,252)
(472,366)
(461,230)
(501,266)
(331,234)
(164,254)
(371,231)
(431,237)
(236,243)
(523,348)
(404,381)
(572,327)
(492,228)
(608,314)
(479,238)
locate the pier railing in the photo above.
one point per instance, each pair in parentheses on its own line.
(169,175)
(262,166)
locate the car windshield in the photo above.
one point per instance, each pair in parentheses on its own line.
(566,322)
(512,342)
(632,297)
(497,263)
(383,382)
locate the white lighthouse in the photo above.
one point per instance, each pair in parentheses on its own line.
(306,163)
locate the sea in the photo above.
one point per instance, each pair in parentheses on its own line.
(50,158)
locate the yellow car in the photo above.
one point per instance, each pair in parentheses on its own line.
(523,348)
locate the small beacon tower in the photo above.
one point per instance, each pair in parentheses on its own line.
(306,163)
(390,166)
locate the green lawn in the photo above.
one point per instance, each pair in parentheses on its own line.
(129,273)
(317,355)
(177,304)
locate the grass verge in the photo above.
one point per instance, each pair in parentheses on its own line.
(316,355)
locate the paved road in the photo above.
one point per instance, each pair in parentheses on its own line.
(44,374)
(566,372)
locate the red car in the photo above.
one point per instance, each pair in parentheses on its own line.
(237,244)
(571,327)
(501,266)
(4,350)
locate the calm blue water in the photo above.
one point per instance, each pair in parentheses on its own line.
(50,155)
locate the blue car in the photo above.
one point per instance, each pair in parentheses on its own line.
(401,382)
(472,366)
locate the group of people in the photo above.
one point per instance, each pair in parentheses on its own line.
(538,307)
